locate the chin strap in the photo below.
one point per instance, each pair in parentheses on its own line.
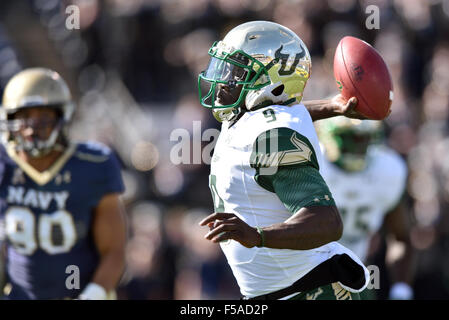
(269,95)
(227,114)
(256,99)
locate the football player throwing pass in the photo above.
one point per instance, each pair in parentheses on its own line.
(275,218)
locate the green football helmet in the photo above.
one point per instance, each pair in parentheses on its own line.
(35,88)
(256,64)
(346,141)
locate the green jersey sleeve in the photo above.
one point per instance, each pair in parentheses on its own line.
(288,167)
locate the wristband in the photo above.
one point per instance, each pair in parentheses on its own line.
(262,237)
(93,291)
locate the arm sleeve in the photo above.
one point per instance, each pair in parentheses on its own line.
(299,186)
(294,174)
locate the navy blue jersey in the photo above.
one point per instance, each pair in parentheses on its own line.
(48,217)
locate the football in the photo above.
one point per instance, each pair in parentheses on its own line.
(360,71)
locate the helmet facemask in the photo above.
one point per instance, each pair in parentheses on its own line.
(35,136)
(353,148)
(226,81)
(348,141)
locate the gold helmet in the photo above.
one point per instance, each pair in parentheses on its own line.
(263,62)
(346,141)
(35,88)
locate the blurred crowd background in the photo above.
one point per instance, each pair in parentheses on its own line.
(132,67)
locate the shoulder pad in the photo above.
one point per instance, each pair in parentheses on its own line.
(93,151)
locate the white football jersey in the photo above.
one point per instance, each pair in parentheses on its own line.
(262,270)
(364,197)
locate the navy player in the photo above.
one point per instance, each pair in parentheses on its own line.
(64,223)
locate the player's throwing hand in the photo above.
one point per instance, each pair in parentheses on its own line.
(346,107)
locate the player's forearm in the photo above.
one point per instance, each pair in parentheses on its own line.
(110,269)
(321,109)
(109,232)
(309,228)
